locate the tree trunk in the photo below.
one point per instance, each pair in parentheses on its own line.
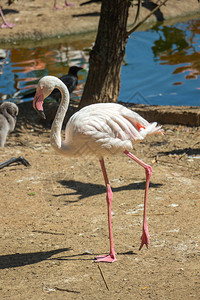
(104,76)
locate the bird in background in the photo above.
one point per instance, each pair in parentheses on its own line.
(10,25)
(5,23)
(66,5)
(102,129)
(70,80)
(8,118)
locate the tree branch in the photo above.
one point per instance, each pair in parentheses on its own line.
(141,22)
(138,12)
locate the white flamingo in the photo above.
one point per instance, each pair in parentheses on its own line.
(99,129)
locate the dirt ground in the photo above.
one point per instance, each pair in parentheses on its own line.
(36,19)
(54,218)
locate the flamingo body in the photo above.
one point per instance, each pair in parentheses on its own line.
(104,129)
(8,114)
(98,130)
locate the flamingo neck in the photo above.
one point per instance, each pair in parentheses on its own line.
(10,119)
(56,140)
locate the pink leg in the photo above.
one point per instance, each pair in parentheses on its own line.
(5,23)
(66,4)
(112,256)
(55,5)
(148,171)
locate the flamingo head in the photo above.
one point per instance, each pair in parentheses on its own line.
(45,86)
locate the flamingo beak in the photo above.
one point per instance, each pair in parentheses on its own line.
(38,103)
(41,114)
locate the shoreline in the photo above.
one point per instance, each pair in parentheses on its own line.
(38,21)
(180,115)
(82,21)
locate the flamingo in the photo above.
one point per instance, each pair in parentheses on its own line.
(99,130)
(66,4)
(5,23)
(8,116)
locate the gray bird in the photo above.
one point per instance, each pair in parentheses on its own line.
(8,117)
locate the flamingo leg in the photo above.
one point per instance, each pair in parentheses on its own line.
(66,4)
(5,23)
(55,5)
(111,257)
(148,172)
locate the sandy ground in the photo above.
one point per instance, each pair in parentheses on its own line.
(36,19)
(54,219)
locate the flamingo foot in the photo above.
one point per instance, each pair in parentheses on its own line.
(110,258)
(66,5)
(57,8)
(69,4)
(7,25)
(144,237)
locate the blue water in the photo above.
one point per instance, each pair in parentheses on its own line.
(161,67)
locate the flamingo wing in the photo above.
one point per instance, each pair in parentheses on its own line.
(107,126)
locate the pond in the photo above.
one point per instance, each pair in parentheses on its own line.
(161,66)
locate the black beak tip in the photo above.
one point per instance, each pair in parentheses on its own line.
(41,114)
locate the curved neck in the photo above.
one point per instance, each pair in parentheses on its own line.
(11,120)
(56,128)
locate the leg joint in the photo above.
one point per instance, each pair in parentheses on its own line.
(148,170)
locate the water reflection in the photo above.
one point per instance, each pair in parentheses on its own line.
(180,46)
(162,66)
(167,72)
(22,68)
